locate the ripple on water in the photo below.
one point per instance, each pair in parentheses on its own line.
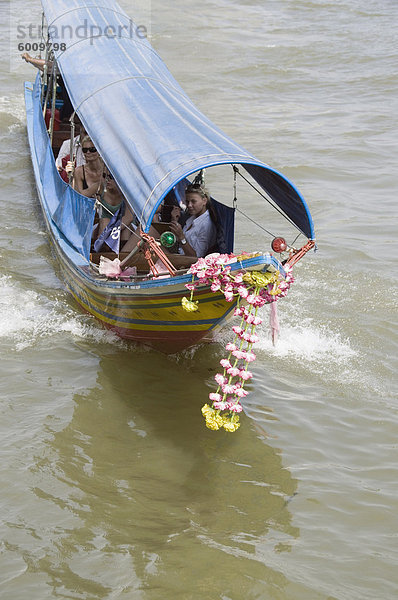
(12,113)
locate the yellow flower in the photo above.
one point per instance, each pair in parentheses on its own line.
(263,279)
(188,305)
(247,278)
(215,421)
(247,255)
(213,418)
(212,424)
(275,290)
(231,424)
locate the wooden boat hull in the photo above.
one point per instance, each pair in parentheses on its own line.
(150,312)
(151,315)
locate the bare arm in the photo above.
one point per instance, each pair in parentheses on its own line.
(36,62)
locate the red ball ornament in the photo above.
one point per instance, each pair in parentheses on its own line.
(278,244)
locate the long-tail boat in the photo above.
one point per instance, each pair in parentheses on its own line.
(154,141)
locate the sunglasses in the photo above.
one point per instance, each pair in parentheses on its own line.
(91,149)
(108,176)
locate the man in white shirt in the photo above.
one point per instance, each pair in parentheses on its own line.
(64,151)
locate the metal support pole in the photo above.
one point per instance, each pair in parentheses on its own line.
(54,81)
(72,138)
(45,68)
(45,81)
(235,198)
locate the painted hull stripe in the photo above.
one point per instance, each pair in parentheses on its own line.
(117,319)
(129,301)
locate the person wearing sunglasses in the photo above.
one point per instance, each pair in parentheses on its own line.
(110,200)
(89,178)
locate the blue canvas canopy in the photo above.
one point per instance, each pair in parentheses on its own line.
(145,127)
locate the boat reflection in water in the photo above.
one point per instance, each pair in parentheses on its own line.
(131,502)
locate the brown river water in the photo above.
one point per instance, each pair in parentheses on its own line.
(111,485)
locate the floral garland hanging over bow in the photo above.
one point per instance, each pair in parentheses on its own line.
(251,289)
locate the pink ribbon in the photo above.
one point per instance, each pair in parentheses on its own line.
(274,322)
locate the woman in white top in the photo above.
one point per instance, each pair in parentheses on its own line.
(199,233)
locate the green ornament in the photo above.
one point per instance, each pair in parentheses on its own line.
(168,239)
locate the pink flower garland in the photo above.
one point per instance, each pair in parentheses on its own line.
(256,289)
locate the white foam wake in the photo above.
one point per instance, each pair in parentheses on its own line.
(307,342)
(28,317)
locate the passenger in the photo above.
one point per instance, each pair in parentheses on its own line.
(88,178)
(64,153)
(111,199)
(169,211)
(199,234)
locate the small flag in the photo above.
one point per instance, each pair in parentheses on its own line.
(111,233)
